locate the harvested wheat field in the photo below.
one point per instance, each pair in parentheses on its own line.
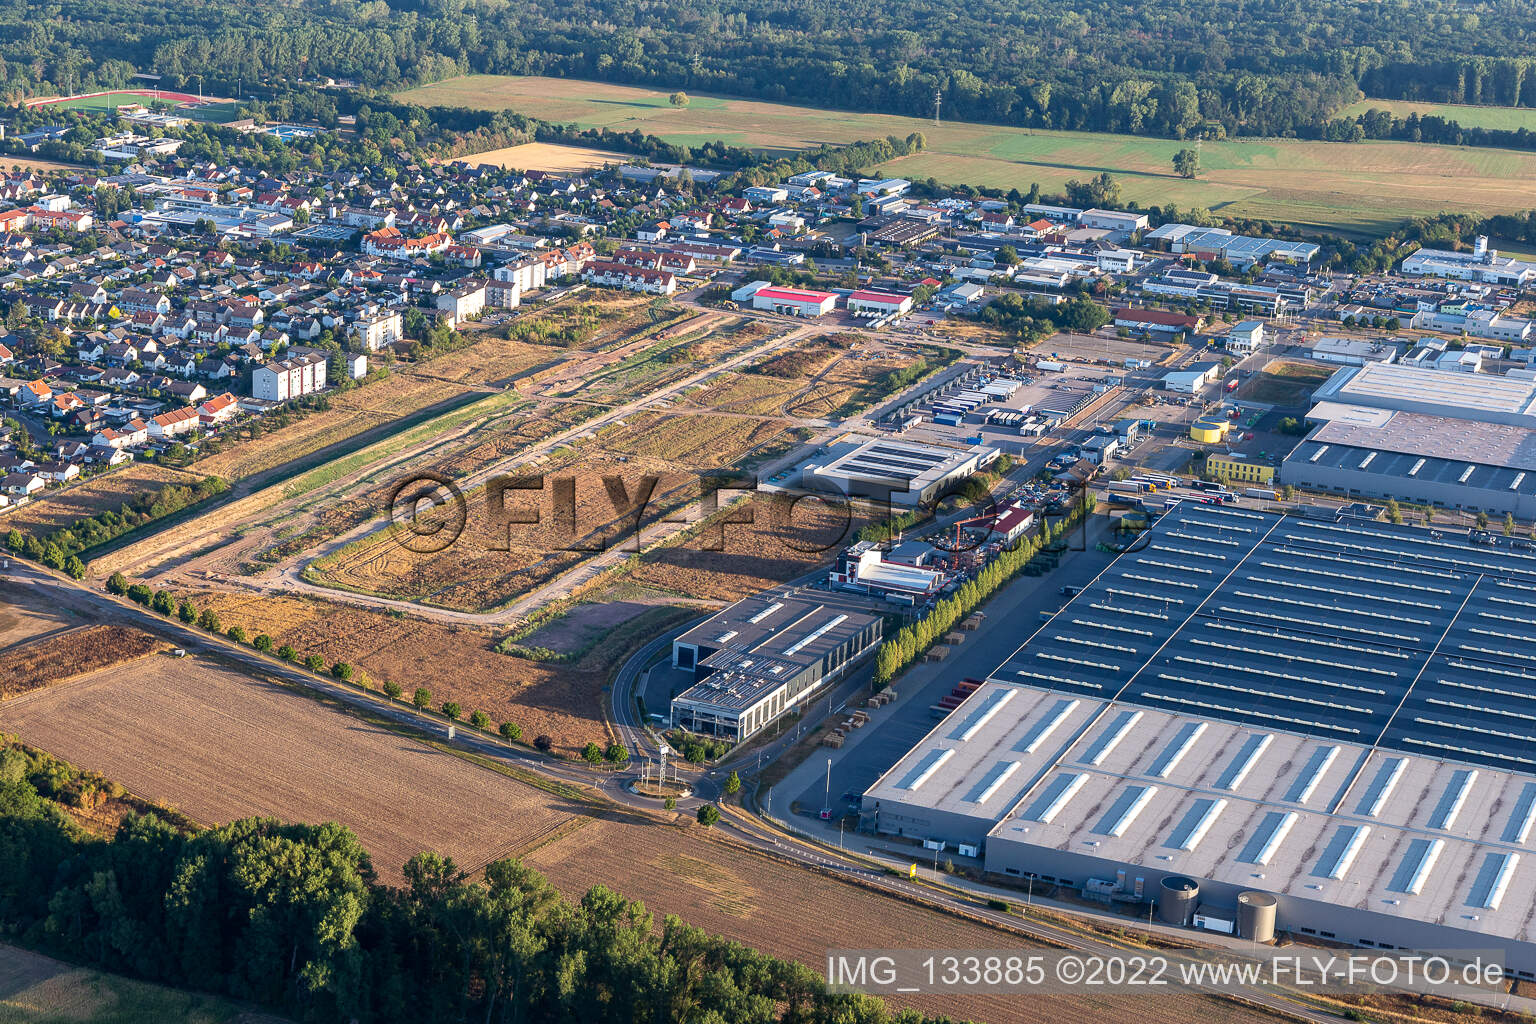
(716,885)
(454,662)
(63,656)
(219,745)
(53,509)
(785,538)
(544,156)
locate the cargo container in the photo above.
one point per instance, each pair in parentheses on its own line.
(1050,366)
(1260,492)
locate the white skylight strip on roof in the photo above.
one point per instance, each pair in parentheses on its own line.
(1416,467)
(1385,780)
(1342,850)
(1072,638)
(1316,767)
(1267,837)
(1492,880)
(1517,481)
(924,769)
(1263,694)
(1358,563)
(1452,799)
(1242,763)
(1197,822)
(1479,709)
(990,705)
(1461,727)
(1230,709)
(1417,863)
(1174,566)
(1297,602)
(1106,666)
(1465,473)
(1112,628)
(726,637)
(1060,680)
(1291,618)
(1110,738)
(1267,673)
(816,634)
(1521,816)
(989,784)
(1469,751)
(1335,590)
(1296,638)
(1368,460)
(1160,582)
(760,616)
(1177,747)
(1117,592)
(1046,724)
(1122,814)
(1318,454)
(1055,797)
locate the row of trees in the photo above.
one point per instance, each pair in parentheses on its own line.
(912,641)
(293,917)
(91,531)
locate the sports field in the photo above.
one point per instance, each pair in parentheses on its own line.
(101,102)
(1367,186)
(1502,118)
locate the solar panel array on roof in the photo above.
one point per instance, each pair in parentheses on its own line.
(1356,631)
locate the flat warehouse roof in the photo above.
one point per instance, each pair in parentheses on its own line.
(773,624)
(902,462)
(1360,632)
(1476,396)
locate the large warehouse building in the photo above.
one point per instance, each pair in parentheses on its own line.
(1338,716)
(763,656)
(903,472)
(1456,440)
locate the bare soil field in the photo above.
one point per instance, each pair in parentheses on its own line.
(490,360)
(545,156)
(455,662)
(784,539)
(714,884)
(63,656)
(220,745)
(55,508)
(22,618)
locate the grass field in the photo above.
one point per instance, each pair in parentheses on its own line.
(55,508)
(1286,382)
(219,745)
(1501,118)
(36,989)
(105,102)
(1368,186)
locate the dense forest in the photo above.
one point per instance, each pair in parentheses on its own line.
(293,918)
(1253,67)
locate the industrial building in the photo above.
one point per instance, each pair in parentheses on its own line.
(1234,467)
(789,301)
(1482,264)
(902,472)
(1242,251)
(883,303)
(1335,716)
(1427,436)
(1354,351)
(763,656)
(864,568)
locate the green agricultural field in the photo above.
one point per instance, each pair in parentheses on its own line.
(1367,186)
(1498,118)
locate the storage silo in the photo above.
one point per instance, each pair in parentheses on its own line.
(1256,916)
(1176,900)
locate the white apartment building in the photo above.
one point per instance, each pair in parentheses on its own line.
(289,378)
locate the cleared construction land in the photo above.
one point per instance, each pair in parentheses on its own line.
(219,745)
(1364,186)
